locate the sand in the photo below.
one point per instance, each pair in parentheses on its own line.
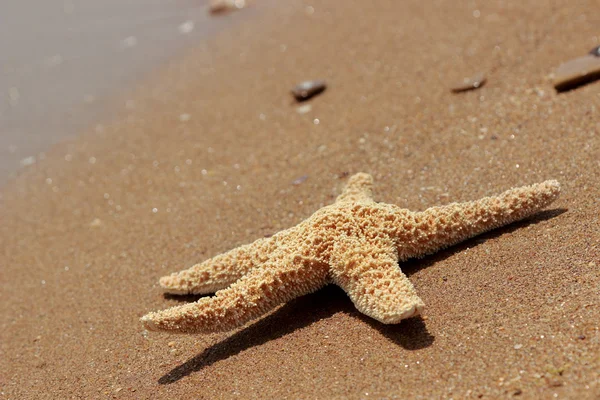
(205,159)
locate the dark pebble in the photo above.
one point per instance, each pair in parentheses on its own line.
(307,89)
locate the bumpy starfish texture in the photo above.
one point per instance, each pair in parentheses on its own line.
(354,243)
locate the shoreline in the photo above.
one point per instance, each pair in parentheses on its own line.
(78,62)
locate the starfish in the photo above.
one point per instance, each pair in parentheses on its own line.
(355,243)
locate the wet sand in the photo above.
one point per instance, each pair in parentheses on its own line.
(204,159)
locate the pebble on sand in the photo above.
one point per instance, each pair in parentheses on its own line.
(469,83)
(307,89)
(577,72)
(224,6)
(300,180)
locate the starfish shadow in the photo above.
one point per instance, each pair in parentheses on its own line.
(185,298)
(299,313)
(582,81)
(411,334)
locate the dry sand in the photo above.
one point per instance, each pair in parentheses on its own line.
(86,233)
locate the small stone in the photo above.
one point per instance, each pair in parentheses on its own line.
(171,344)
(517,392)
(518,346)
(307,89)
(225,6)
(471,83)
(300,180)
(595,51)
(577,72)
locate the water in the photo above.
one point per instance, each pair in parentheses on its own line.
(60,59)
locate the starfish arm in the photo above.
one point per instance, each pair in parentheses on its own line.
(258,292)
(358,189)
(440,227)
(368,272)
(218,272)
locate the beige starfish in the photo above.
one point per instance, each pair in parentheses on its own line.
(355,243)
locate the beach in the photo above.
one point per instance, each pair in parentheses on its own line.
(211,151)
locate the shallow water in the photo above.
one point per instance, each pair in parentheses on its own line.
(61,61)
